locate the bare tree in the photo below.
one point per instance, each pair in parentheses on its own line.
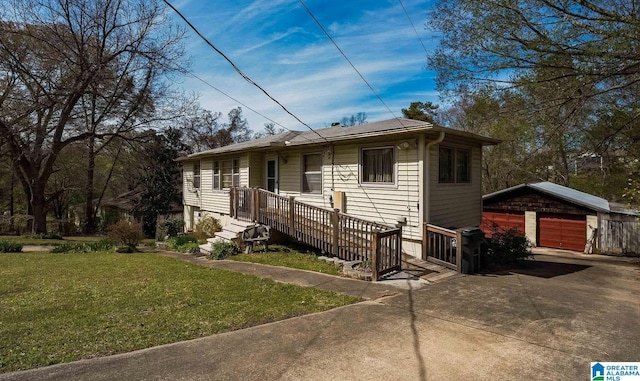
(78,70)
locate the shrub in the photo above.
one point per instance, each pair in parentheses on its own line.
(508,247)
(89,247)
(46,236)
(176,243)
(10,247)
(223,249)
(125,233)
(191,248)
(169,228)
(207,227)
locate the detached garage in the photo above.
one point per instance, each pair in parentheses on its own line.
(550,215)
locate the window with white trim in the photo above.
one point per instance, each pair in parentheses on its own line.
(377,165)
(454,165)
(312,173)
(196,175)
(226,174)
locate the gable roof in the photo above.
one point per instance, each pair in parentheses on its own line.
(341,133)
(564,193)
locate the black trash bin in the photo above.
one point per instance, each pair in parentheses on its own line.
(472,239)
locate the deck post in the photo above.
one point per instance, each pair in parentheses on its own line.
(425,240)
(292,217)
(375,254)
(335,234)
(459,251)
(254,205)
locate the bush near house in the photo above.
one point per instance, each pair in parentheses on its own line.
(126,233)
(88,247)
(508,247)
(206,227)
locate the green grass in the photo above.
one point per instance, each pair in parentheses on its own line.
(27,240)
(62,307)
(286,257)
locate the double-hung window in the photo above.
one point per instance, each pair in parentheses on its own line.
(226,173)
(454,165)
(312,173)
(196,175)
(378,165)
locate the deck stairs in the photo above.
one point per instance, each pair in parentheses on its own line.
(230,232)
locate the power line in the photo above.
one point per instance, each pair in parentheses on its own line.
(413,26)
(242,104)
(193,75)
(348,60)
(237,69)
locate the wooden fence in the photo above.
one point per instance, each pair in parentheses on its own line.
(442,246)
(331,231)
(619,235)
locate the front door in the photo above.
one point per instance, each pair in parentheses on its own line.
(272,175)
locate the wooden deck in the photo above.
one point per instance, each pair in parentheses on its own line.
(338,234)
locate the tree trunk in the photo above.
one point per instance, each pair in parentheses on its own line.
(37,207)
(90,220)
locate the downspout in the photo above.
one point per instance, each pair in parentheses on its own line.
(426,181)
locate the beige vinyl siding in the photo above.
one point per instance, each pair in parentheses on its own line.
(256,170)
(375,203)
(190,197)
(456,205)
(209,199)
(378,203)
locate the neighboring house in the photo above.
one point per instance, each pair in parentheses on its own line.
(554,216)
(388,172)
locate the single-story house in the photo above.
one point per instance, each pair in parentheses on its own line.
(397,170)
(555,216)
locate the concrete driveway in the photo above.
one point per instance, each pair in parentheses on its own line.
(547,321)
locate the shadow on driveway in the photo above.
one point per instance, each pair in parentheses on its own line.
(542,269)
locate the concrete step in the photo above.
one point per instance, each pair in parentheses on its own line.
(234,228)
(205,249)
(238,223)
(215,239)
(230,236)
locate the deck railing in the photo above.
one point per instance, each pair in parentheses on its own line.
(342,235)
(442,246)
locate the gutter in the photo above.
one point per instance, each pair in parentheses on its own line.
(425,183)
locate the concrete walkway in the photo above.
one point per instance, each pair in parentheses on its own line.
(545,321)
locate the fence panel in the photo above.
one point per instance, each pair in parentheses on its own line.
(619,235)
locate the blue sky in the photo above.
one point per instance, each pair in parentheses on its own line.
(278,45)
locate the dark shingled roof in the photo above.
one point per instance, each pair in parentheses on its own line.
(341,133)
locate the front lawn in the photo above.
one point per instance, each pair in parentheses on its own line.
(63,307)
(286,257)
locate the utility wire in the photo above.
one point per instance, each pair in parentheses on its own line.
(237,69)
(193,75)
(348,60)
(413,26)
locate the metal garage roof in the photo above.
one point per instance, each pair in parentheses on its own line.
(561,192)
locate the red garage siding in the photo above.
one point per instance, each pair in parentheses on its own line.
(562,231)
(504,220)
